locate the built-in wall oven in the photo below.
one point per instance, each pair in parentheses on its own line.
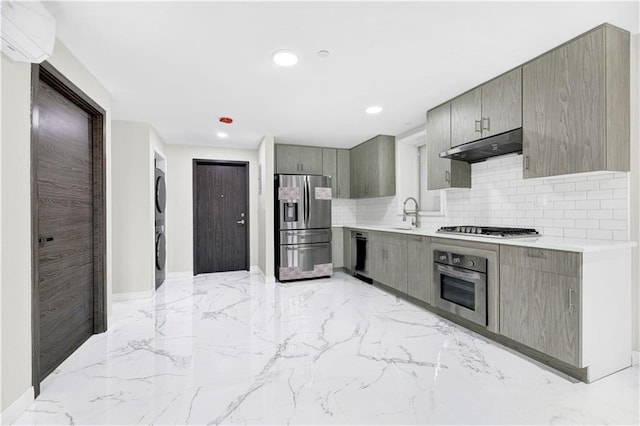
(460,284)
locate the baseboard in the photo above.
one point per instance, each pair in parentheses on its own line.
(267,280)
(130,295)
(635,357)
(183,274)
(18,406)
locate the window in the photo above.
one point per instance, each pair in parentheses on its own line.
(411,173)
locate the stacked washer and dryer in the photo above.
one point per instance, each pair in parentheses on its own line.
(161,245)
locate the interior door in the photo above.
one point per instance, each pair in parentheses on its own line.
(221,207)
(65,254)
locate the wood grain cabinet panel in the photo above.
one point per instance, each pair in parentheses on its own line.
(556,261)
(541,310)
(388,261)
(441,172)
(301,160)
(343,170)
(571,96)
(490,109)
(419,268)
(502,103)
(466,114)
(373,168)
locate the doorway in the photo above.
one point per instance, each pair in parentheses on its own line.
(220,216)
(68,219)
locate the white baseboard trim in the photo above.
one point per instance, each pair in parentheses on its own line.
(183,274)
(635,357)
(18,406)
(267,280)
(130,295)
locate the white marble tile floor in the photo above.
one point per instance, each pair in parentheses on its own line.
(228,349)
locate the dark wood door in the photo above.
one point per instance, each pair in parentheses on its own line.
(221,207)
(65,252)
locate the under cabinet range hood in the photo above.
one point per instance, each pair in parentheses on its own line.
(477,151)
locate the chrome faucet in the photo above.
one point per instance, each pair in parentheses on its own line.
(415,221)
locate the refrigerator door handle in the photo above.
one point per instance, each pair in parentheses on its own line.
(307,191)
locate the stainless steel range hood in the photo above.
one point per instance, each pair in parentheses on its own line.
(476,151)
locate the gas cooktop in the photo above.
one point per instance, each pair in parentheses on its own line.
(490,231)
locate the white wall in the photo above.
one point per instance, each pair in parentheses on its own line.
(266,237)
(133,149)
(635,184)
(180,201)
(16,232)
(16,212)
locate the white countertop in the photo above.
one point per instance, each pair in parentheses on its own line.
(554,243)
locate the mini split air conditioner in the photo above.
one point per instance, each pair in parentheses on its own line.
(28,31)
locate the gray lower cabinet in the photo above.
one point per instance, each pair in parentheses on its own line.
(302,160)
(419,268)
(335,163)
(346,248)
(373,168)
(443,173)
(388,259)
(337,247)
(540,294)
(576,106)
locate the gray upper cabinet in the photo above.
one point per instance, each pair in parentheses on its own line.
(389,259)
(373,168)
(502,104)
(335,163)
(576,106)
(540,300)
(466,114)
(441,172)
(419,268)
(330,166)
(302,160)
(343,158)
(490,109)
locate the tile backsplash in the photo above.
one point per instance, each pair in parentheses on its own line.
(592,206)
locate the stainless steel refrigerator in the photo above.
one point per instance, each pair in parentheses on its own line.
(303,227)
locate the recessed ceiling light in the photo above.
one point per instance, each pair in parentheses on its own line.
(374,109)
(222,135)
(323,53)
(284,58)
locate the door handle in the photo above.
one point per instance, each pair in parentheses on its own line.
(485,128)
(526,162)
(43,240)
(571,299)
(241,222)
(478,126)
(447,176)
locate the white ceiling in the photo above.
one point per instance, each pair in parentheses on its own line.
(180,66)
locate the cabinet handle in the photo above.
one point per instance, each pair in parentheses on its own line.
(447,176)
(570,299)
(485,128)
(526,162)
(479,126)
(535,253)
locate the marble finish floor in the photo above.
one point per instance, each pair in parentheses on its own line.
(228,349)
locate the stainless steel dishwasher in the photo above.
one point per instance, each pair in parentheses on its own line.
(360,256)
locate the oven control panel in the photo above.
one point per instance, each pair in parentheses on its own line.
(474,263)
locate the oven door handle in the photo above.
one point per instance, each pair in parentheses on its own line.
(458,273)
